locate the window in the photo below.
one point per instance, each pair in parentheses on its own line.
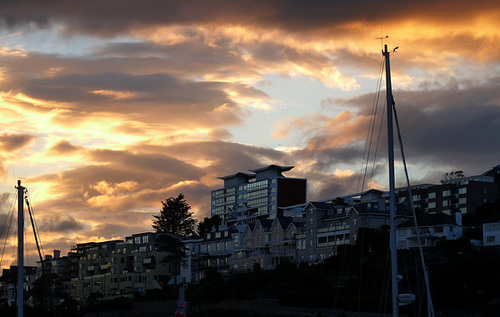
(432,205)
(490,239)
(446,193)
(432,195)
(462,200)
(446,203)
(462,190)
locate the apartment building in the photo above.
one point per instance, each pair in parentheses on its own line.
(431,228)
(8,282)
(247,197)
(329,225)
(464,195)
(121,267)
(266,243)
(216,249)
(491,234)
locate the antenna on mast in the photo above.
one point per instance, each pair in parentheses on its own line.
(382,39)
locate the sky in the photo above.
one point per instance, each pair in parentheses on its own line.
(108,108)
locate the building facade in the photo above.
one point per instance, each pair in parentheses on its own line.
(246,197)
(432,227)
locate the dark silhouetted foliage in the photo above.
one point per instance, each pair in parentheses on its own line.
(175,217)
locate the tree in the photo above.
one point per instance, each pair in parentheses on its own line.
(208,223)
(175,217)
(452,176)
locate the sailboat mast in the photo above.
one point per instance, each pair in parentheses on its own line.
(392,187)
(20,248)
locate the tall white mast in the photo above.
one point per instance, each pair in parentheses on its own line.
(392,187)
(20,249)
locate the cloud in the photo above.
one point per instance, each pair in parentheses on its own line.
(64,147)
(61,224)
(14,142)
(117,16)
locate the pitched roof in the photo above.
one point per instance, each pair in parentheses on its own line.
(239,174)
(284,221)
(265,223)
(322,205)
(275,167)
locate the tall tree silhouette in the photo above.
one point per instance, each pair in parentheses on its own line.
(175,217)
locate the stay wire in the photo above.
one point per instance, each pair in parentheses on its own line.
(371,128)
(430,310)
(11,214)
(38,241)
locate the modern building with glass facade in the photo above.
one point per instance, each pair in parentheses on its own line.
(246,197)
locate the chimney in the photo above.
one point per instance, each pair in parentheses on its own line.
(57,254)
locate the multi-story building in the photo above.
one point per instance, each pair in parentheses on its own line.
(463,194)
(8,282)
(491,234)
(246,197)
(190,266)
(66,267)
(121,267)
(266,242)
(432,227)
(215,250)
(329,225)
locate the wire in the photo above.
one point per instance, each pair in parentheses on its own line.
(430,306)
(11,214)
(371,129)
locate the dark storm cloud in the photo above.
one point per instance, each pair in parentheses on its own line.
(113,17)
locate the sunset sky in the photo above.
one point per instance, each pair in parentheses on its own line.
(109,107)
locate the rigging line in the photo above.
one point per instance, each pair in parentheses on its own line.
(26,248)
(378,141)
(340,275)
(371,128)
(430,309)
(385,281)
(11,214)
(379,135)
(11,209)
(35,230)
(380,272)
